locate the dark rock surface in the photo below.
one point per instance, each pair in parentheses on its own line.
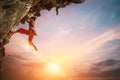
(14,11)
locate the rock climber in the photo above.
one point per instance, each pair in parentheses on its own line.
(31,32)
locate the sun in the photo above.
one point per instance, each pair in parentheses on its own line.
(53,67)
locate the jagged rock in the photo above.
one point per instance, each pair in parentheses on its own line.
(10,16)
(14,11)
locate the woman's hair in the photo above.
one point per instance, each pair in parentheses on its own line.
(33,18)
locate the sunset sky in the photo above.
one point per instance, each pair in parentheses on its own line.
(82,34)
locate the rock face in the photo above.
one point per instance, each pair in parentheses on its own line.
(14,11)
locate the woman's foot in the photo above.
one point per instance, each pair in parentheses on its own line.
(11,33)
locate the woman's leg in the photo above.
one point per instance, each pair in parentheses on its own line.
(22,31)
(31,43)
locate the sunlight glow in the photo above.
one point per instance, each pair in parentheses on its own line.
(53,67)
(27,47)
(35,53)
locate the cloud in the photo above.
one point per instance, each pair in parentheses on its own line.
(113,74)
(105,65)
(110,73)
(35,65)
(93,49)
(99,41)
(109,62)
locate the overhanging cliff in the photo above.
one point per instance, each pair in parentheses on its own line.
(14,11)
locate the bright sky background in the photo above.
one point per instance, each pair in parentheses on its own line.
(81,34)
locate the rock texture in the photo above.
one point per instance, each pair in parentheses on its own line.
(14,11)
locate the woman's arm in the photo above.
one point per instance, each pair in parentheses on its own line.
(27,19)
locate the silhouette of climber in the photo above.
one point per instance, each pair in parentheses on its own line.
(31,32)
